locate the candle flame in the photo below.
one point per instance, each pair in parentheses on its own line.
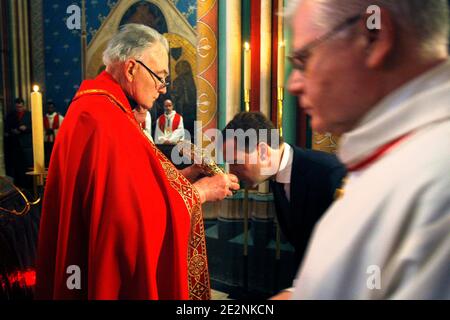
(36,88)
(247,46)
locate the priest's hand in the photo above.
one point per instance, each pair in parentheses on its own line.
(217,187)
(193,172)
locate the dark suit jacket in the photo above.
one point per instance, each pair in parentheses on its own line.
(19,149)
(24,139)
(315,176)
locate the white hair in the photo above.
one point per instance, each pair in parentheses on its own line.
(130,42)
(426,20)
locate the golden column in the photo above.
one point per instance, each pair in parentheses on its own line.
(20,49)
(265,85)
(207,82)
(232,58)
(266,57)
(247,75)
(247,91)
(280,98)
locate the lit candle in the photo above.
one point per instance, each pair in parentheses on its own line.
(280,65)
(247,66)
(38,130)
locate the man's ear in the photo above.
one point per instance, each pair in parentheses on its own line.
(263,152)
(130,67)
(380,42)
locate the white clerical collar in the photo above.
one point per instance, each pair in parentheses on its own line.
(171,114)
(284,172)
(403,111)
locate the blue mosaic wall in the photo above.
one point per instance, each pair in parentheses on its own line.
(62,46)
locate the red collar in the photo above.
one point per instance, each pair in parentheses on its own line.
(106,83)
(375,156)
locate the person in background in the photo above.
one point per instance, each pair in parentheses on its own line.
(52,123)
(19,144)
(169,126)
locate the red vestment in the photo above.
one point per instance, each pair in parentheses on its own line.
(55,124)
(175,123)
(50,136)
(115,207)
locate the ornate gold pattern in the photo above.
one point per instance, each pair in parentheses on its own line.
(198,156)
(207,102)
(198,266)
(171,172)
(325,142)
(12,192)
(207,64)
(206,47)
(205,7)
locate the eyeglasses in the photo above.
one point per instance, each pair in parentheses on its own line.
(163,84)
(300,57)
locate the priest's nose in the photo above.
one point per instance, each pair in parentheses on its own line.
(296,83)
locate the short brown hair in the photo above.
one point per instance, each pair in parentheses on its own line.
(255,121)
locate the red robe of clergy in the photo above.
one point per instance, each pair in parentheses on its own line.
(117,209)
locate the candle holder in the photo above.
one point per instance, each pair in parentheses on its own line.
(247,76)
(246,202)
(280,99)
(246,236)
(246,219)
(280,93)
(39,179)
(247,88)
(247,100)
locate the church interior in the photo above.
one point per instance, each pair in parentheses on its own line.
(225,57)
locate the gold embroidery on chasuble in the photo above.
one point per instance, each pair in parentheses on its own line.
(198,273)
(199,284)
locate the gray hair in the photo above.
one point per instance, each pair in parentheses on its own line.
(130,42)
(427,20)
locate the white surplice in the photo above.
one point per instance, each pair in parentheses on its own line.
(388,237)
